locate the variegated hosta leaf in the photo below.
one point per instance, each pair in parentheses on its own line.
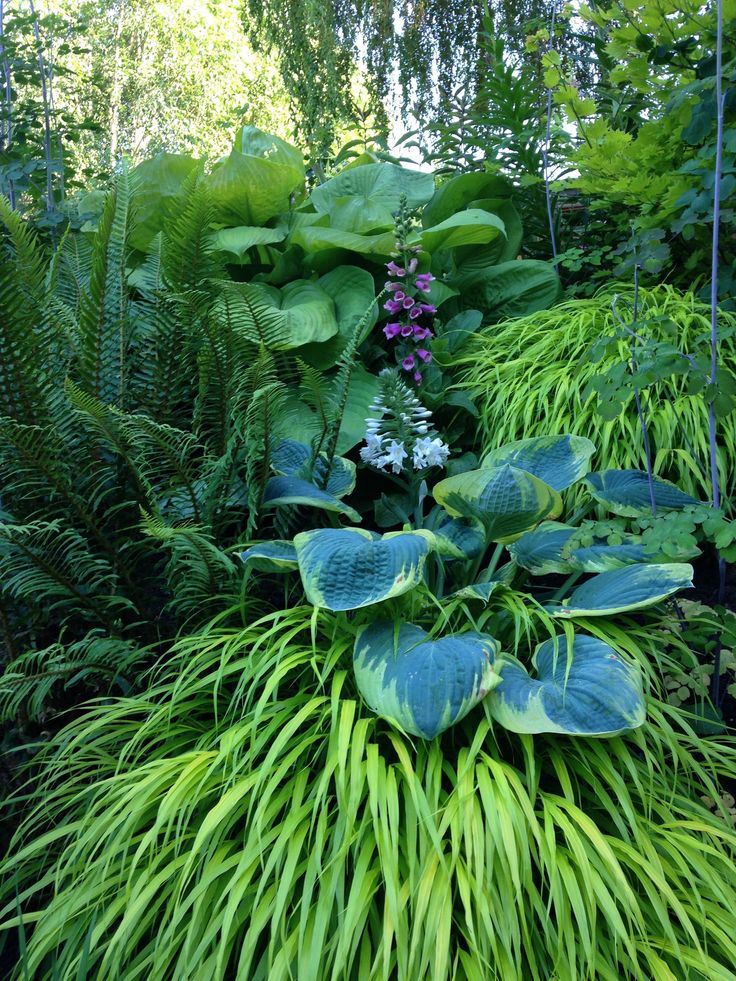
(506,500)
(478,590)
(276,556)
(589,691)
(293,490)
(459,538)
(292,457)
(557,460)
(540,550)
(422,685)
(346,568)
(550,549)
(626,492)
(630,588)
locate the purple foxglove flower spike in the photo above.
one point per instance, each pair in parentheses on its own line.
(428,308)
(425,355)
(394,270)
(414,313)
(391,330)
(408,363)
(393,306)
(408,303)
(406,330)
(412,266)
(418,377)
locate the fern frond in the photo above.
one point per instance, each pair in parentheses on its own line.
(202,578)
(262,413)
(345,366)
(25,355)
(52,569)
(99,662)
(104,322)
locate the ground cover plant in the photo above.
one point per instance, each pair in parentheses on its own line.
(365,567)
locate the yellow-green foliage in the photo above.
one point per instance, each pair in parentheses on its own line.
(250,819)
(528,376)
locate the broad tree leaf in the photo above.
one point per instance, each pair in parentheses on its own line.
(510,289)
(295,490)
(626,492)
(631,588)
(457,193)
(344,569)
(424,686)
(506,500)
(473,227)
(275,556)
(379,184)
(588,691)
(557,460)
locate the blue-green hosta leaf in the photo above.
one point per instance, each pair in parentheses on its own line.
(540,550)
(459,538)
(471,227)
(276,556)
(557,460)
(424,686)
(375,185)
(291,457)
(590,691)
(294,490)
(346,568)
(630,588)
(506,500)
(626,492)
(606,558)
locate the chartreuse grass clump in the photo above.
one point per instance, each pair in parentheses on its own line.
(536,375)
(250,818)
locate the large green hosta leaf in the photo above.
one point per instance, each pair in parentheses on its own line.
(631,588)
(298,314)
(237,241)
(317,238)
(460,191)
(344,569)
(626,492)
(506,500)
(510,289)
(255,181)
(424,686)
(557,460)
(589,691)
(472,227)
(375,185)
(352,290)
(157,190)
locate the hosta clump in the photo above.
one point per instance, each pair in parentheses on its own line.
(425,681)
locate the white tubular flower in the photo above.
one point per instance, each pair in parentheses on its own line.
(430,452)
(373,448)
(395,456)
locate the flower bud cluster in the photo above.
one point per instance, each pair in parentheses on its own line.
(399,430)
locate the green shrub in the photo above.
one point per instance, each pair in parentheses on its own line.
(248,818)
(528,377)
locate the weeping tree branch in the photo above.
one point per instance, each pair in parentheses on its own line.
(547,139)
(6,133)
(50,203)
